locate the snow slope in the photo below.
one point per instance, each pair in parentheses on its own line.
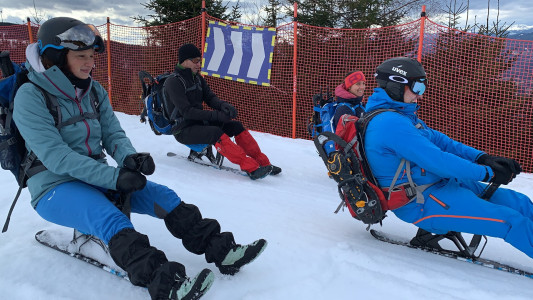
(312,252)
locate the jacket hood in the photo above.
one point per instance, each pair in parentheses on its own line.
(53,80)
(344,96)
(33,59)
(380,99)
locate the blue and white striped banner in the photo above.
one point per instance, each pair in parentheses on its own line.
(239,53)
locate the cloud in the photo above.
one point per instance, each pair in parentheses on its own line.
(121,11)
(89,11)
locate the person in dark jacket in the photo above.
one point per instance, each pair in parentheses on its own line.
(349,96)
(186,92)
(71,190)
(402,150)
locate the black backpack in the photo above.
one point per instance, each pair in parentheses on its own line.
(348,166)
(154,102)
(13,154)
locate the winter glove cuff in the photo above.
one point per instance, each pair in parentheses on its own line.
(483,159)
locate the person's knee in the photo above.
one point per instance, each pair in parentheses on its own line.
(164,199)
(214,134)
(233,128)
(114,224)
(200,135)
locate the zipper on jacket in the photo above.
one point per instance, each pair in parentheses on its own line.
(84,121)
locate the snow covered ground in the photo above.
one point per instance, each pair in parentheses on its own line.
(312,252)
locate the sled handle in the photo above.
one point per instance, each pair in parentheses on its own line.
(489,191)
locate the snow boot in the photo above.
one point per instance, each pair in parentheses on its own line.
(239,256)
(275,170)
(186,288)
(208,153)
(261,172)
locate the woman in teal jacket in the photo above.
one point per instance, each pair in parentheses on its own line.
(71,190)
(445,172)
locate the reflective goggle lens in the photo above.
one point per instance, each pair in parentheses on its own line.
(81,37)
(419,86)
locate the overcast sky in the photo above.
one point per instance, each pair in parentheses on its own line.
(121,11)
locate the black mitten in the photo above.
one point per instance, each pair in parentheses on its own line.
(219,116)
(502,174)
(130,181)
(141,162)
(229,109)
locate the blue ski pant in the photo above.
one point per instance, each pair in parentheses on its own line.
(451,205)
(86,208)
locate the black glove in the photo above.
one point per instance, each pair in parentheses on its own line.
(229,109)
(140,162)
(219,116)
(489,160)
(130,181)
(502,174)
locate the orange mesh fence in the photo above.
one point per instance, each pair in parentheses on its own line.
(480,89)
(15,39)
(152,49)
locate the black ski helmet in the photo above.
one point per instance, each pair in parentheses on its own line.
(394,74)
(63,32)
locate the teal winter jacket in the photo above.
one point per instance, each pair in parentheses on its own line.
(66,153)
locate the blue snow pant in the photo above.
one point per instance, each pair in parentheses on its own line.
(86,208)
(451,205)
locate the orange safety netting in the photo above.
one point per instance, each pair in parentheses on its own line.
(480,89)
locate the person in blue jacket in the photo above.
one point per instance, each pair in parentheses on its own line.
(445,174)
(71,190)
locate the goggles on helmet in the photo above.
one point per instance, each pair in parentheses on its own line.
(418,86)
(77,38)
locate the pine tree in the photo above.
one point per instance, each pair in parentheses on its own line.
(272,13)
(351,13)
(171,11)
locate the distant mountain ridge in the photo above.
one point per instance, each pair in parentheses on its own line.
(521,34)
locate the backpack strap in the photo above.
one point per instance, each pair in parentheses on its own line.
(25,169)
(31,164)
(53,107)
(413,188)
(350,106)
(6,224)
(7,129)
(174,114)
